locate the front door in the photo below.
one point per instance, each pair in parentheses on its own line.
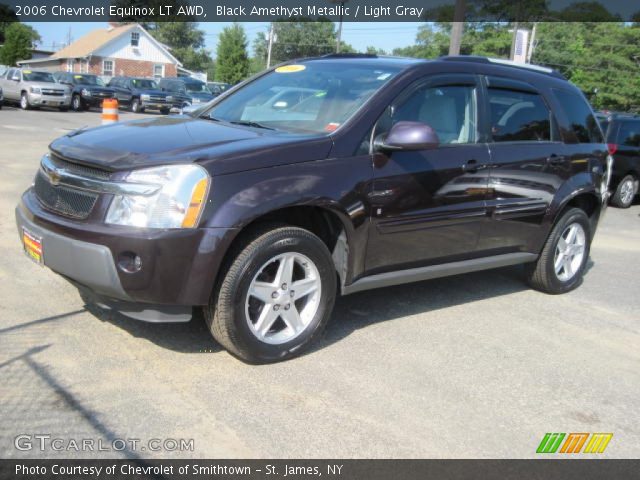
(428,206)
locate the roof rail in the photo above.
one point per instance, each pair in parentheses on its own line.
(350,55)
(503,62)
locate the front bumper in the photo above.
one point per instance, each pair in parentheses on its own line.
(179,266)
(94,101)
(49,100)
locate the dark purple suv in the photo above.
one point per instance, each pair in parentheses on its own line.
(321,177)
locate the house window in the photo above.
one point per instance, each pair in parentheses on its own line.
(69,65)
(107,68)
(158,71)
(135,39)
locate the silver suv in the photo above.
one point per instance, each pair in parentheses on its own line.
(32,89)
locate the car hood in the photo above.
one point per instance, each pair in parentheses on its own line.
(152,92)
(48,85)
(200,95)
(220,147)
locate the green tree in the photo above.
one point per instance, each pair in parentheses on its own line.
(186,42)
(297,39)
(19,42)
(232,60)
(7,17)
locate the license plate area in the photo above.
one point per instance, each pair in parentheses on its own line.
(32,245)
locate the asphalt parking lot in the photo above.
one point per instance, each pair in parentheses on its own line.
(469,366)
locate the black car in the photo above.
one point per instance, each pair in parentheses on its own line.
(392,171)
(623,137)
(186,91)
(141,94)
(217,88)
(86,90)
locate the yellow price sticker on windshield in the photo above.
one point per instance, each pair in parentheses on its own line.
(26,71)
(77,76)
(290,68)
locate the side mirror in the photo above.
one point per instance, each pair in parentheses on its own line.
(408,136)
(15,78)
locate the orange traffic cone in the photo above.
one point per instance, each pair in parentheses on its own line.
(109,111)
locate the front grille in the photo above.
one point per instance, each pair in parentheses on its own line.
(157,99)
(102,94)
(64,200)
(52,93)
(78,169)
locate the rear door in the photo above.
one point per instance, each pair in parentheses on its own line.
(528,165)
(428,206)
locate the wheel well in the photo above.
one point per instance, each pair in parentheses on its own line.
(319,221)
(323,223)
(584,201)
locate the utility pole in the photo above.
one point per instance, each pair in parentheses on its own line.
(271,35)
(513,41)
(339,36)
(532,44)
(458,28)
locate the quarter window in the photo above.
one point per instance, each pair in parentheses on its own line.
(583,124)
(107,68)
(518,116)
(450,110)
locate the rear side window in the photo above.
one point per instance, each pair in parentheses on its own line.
(629,134)
(583,124)
(518,116)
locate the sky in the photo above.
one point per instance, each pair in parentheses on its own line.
(385,35)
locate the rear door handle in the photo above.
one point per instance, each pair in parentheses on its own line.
(554,159)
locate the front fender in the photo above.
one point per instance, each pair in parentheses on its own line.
(339,186)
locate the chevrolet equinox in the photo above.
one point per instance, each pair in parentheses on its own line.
(384,171)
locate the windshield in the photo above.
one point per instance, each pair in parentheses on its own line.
(87,80)
(312,97)
(143,83)
(196,87)
(30,76)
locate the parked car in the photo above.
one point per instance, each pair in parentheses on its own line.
(86,90)
(216,88)
(262,224)
(186,91)
(33,89)
(623,137)
(140,94)
(1,98)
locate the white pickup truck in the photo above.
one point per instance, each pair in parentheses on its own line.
(33,89)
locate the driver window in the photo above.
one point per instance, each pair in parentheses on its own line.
(450,110)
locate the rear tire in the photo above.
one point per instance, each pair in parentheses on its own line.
(625,193)
(561,265)
(255,311)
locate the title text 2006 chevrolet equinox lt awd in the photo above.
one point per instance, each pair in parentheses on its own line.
(373,172)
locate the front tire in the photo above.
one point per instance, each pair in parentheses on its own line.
(24,102)
(136,107)
(625,193)
(276,297)
(563,260)
(76,103)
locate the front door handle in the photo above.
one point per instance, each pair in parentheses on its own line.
(472,166)
(554,159)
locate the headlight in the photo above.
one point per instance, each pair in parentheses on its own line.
(35,90)
(169,98)
(177,204)
(85,92)
(195,100)
(145,97)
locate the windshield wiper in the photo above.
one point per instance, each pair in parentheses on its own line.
(248,123)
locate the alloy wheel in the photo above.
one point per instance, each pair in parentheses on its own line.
(283,298)
(627,191)
(570,251)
